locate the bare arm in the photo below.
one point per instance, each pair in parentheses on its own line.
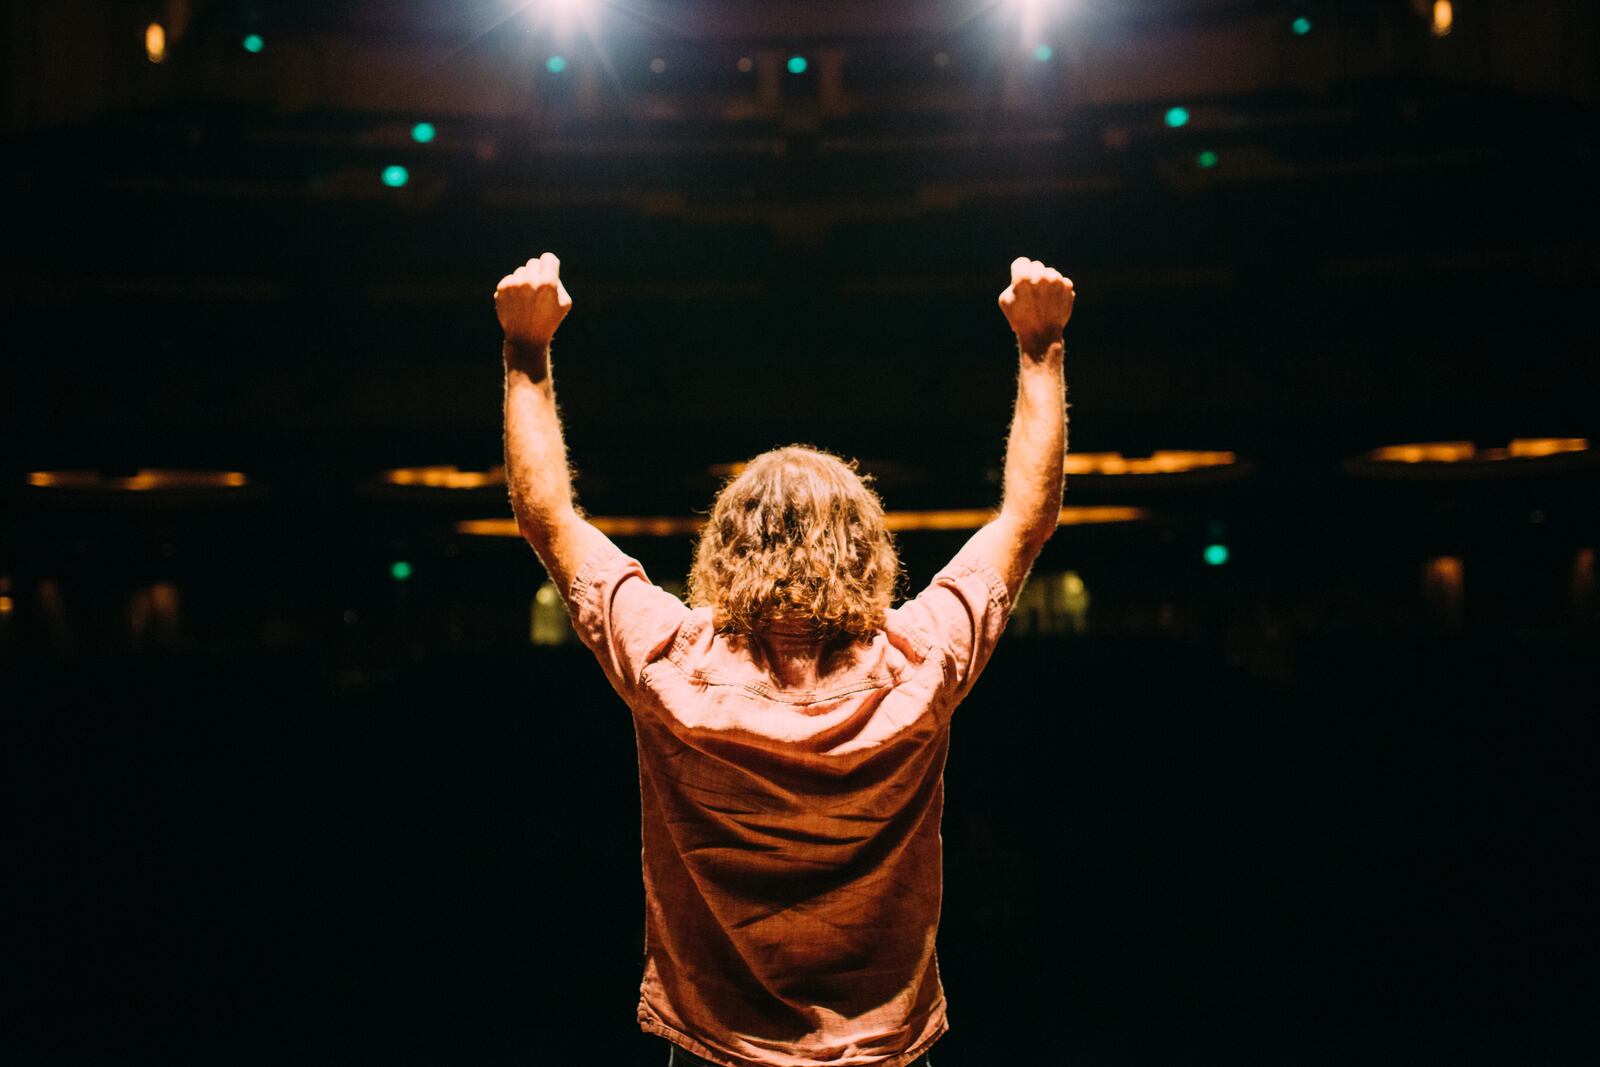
(531,302)
(1038,304)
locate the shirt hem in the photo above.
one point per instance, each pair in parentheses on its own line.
(650,1024)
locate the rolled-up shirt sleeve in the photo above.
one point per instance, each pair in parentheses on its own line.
(961,614)
(621,617)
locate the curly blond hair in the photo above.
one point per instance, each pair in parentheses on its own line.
(796,538)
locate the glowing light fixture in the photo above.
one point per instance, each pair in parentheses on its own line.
(1206,160)
(445,477)
(898,521)
(1163,462)
(1301,26)
(253,43)
(423,132)
(556,64)
(144,481)
(155,42)
(1216,555)
(797,64)
(1177,116)
(1466,451)
(400,570)
(1444,18)
(395,176)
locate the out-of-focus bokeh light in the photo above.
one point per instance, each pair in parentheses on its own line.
(658,65)
(253,43)
(1444,18)
(1206,159)
(897,521)
(1216,555)
(1161,462)
(556,64)
(1301,26)
(746,64)
(155,42)
(797,64)
(1466,451)
(445,477)
(395,176)
(423,132)
(1177,116)
(146,480)
(1043,53)
(400,570)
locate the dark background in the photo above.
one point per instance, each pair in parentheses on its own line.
(268,802)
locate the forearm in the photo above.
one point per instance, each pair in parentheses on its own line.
(537,475)
(1038,441)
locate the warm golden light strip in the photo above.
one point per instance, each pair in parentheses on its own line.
(898,521)
(1168,461)
(445,477)
(142,481)
(155,42)
(1466,451)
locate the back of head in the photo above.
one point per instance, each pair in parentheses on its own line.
(796,540)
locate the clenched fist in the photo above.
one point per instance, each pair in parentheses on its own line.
(531,301)
(1037,303)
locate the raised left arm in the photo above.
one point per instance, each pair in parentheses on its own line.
(531,302)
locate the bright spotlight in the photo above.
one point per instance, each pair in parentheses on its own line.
(155,42)
(395,176)
(797,64)
(1301,26)
(423,132)
(1177,116)
(253,43)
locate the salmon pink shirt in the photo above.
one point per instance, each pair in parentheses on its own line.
(791,849)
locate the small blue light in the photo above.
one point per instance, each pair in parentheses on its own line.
(1301,26)
(395,176)
(797,64)
(1044,53)
(1177,116)
(1216,555)
(423,132)
(556,64)
(253,43)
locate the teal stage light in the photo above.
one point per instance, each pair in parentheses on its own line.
(797,64)
(1216,555)
(423,132)
(556,64)
(253,43)
(1043,54)
(1206,159)
(1301,26)
(399,570)
(395,176)
(1177,116)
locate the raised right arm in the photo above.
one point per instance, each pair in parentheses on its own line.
(1037,303)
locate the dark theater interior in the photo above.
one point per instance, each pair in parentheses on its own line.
(1288,753)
